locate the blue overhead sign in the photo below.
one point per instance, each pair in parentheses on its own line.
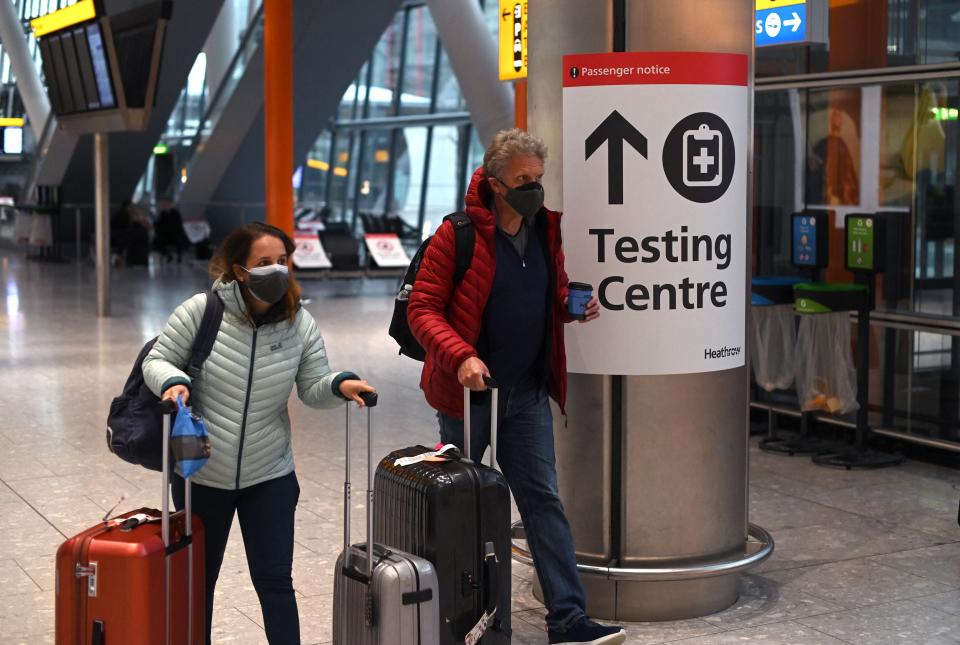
(781,25)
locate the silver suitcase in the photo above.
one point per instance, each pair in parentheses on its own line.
(390,599)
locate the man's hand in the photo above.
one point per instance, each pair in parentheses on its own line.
(592,312)
(471,373)
(177,390)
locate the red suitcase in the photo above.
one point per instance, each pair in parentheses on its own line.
(135,579)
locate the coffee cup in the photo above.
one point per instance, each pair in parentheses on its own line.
(580,294)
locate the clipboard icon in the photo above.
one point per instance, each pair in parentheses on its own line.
(702,157)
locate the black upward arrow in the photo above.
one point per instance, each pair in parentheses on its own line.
(614,131)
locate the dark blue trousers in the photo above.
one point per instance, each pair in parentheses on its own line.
(525,454)
(266,521)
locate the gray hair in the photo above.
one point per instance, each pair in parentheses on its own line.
(507,144)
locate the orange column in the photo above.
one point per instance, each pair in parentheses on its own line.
(278,112)
(520,104)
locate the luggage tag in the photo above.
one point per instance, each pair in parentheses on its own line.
(474,635)
(189,441)
(436,455)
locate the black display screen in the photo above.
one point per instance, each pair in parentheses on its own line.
(77,70)
(86,69)
(49,76)
(101,70)
(61,76)
(73,72)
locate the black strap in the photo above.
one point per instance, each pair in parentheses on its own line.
(466,237)
(97,636)
(206,334)
(417,597)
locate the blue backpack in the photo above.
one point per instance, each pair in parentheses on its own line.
(135,422)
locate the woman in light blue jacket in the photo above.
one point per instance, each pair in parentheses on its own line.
(267,343)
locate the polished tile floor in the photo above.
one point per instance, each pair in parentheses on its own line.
(862,557)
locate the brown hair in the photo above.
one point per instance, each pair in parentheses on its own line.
(236,249)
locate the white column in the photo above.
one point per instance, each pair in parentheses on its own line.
(472,51)
(21,62)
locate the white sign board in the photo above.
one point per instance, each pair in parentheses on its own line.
(386,250)
(309,253)
(655,201)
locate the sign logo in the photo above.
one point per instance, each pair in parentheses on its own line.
(699,157)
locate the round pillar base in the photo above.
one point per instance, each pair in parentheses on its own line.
(664,593)
(655,601)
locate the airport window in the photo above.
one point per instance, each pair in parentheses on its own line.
(381,164)
(873,34)
(892,148)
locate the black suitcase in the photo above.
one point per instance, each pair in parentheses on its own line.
(456,515)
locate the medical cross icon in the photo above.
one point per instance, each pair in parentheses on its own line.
(704,160)
(699,157)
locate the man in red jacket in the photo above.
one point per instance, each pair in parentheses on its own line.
(505,320)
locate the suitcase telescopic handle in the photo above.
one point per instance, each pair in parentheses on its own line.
(169,410)
(494,413)
(370,400)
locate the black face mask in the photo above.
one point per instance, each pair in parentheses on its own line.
(268,284)
(526,199)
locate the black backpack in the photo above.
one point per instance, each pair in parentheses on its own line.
(399,327)
(135,422)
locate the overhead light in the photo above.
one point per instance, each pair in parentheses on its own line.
(317,164)
(343,156)
(340,171)
(381,156)
(161,149)
(12,123)
(946,114)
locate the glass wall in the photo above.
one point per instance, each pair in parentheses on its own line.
(372,162)
(858,142)
(229,49)
(873,34)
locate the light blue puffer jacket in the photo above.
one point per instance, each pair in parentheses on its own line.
(243,388)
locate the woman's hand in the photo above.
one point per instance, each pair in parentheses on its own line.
(352,388)
(177,390)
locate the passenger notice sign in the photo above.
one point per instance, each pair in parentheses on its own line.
(655,209)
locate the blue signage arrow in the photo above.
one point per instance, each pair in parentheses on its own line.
(781,25)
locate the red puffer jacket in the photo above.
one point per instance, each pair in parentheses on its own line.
(447,322)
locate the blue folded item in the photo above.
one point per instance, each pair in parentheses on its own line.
(773,290)
(189,441)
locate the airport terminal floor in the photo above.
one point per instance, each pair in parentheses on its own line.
(862,557)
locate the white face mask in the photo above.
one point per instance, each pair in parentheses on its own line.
(268,284)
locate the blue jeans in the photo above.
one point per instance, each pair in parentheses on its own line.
(525,454)
(266,520)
